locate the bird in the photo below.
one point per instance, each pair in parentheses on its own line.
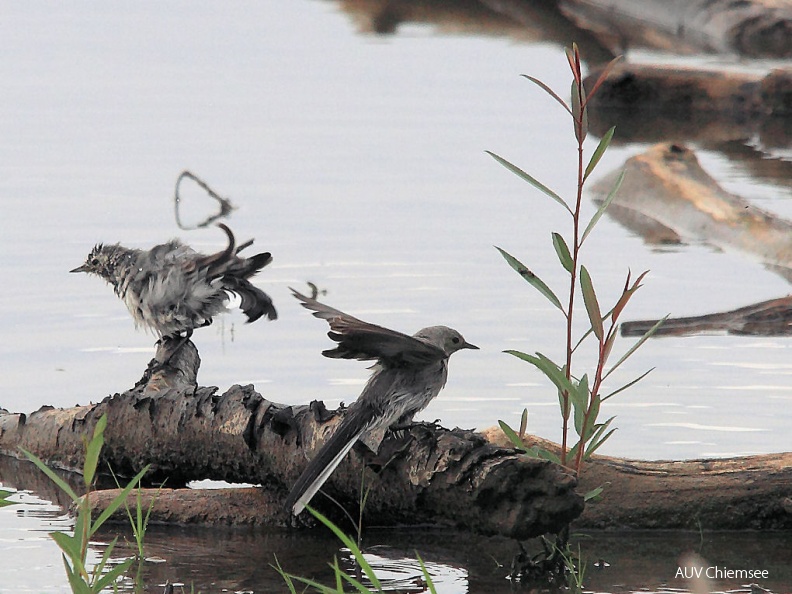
(409,373)
(171,289)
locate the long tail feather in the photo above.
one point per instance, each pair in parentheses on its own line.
(328,458)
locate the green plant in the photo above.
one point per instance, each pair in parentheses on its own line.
(75,546)
(342,578)
(575,567)
(4,495)
(580,398)
(138,520)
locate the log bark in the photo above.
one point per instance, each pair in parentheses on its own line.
(742,493)
(428,475)
(473,482)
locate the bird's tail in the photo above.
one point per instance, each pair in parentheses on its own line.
(255,302)
(234,270)
(326,461)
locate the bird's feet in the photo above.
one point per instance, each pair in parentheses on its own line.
(400,430)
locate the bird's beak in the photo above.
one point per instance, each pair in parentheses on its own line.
(79,269)
(467,345)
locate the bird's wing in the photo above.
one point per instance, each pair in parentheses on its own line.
(363,341)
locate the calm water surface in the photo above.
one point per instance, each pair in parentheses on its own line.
(358,161)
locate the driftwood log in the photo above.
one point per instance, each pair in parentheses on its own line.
(474,482)
(743,493)
(428,475)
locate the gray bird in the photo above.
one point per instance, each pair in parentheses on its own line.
(172,289)
(410,371)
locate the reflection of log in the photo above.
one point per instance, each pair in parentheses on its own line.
(650,103)
(667,185)
(769,318)
(757,28)
(427,475)
(519,20)
(751,492)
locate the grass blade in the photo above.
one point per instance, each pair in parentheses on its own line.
(350,544)
(426,576)
(62,485)
(119,500)
(93,450)
(111,577)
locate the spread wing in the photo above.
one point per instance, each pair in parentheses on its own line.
(363,341)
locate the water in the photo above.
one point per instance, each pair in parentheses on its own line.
(358,161)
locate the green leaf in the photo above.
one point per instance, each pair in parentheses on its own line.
(76,581)
(599,151)
(627,294)
(112,576)
(601,210)
(286,577)
(579,111)
(597,439)
(592,305)
(337,573)
(580,404)
(531,278)
(118,500)
(513,437)
(4,495)
(603,75)
(572,454)
(93,450)
(351,545)
(594,493)
(530,179)
(426,576)
(593,413)
(563,252)
(312,584)
(629,384)
(640,341)
(355,583)
(62,485)
(553,372)
(71,549)
(548,455)
(549,91)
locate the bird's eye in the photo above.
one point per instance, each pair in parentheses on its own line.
(94,261)
(455,340)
